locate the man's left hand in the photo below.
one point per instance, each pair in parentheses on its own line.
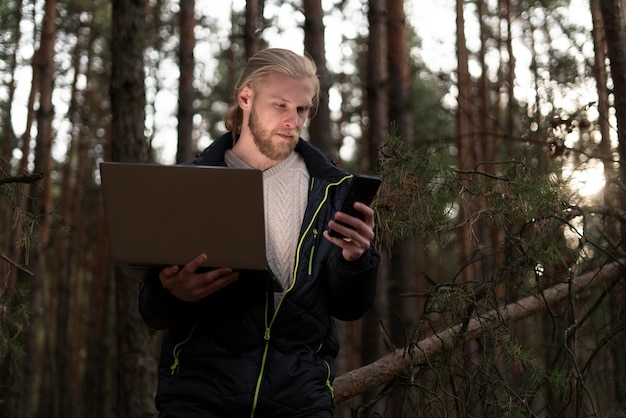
(356,241)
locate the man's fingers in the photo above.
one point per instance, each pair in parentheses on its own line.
(169,272)
(192,287)
(223,279)
(196,262)
(368,213)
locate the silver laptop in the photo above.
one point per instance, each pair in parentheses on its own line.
(158,215)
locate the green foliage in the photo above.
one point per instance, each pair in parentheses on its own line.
(530,205)
(421,193)
(416,194)
(14,313)
(14,321)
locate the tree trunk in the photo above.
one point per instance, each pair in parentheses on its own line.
(377,105)
(253,26)
(136,380)
(377,82)
(8,141)
(464,129)
(614,18)
(68,343)
(403,254)
(8,138)
(187,24)
(38,374)
(319,126)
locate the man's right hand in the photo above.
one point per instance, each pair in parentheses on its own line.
(187,285)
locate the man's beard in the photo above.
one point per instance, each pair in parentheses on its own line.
(263,140)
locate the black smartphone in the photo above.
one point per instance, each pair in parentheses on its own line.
(363,189)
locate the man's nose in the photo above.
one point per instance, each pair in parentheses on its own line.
(292,119)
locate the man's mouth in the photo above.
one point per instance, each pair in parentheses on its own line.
(286,135)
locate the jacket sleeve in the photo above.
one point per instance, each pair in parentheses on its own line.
(352,284)
(159,309)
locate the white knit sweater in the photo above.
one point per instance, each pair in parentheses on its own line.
(285,192)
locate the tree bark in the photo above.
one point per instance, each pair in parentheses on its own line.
(8,139)
(465,139)
(403,255)
(614,19)
(37,384)
(253,26)
(319,126)
(136,380)
(187,24)
(377,82)
(377,111)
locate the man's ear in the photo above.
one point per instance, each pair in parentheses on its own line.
(244,97)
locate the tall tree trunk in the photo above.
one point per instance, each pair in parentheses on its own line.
(611,191)
(404,254)
(319,126)
(136,380)
(377,111)
(13,251)
(62,264)
(38,373)
(8,141)
(614,18)
(464,129)
(377,82)
(377,104)
(7,134)
(512,105)
(187,25)
(253,26)
(471,234)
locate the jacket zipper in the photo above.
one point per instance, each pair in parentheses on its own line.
(312,251)
(329,385)
(178,348)
(268,326)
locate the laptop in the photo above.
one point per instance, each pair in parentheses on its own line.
(159,215)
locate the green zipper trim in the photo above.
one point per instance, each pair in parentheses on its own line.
(268,326)
(178,348)
(312,252)
(329,385)
(266,337)
(301,242)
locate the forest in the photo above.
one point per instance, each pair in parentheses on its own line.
(501,220)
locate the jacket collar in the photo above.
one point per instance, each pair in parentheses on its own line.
(317,163)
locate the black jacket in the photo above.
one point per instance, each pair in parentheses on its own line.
(236,353)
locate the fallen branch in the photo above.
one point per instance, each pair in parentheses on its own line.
(386,368)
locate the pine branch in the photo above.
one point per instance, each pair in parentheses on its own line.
(16,265)
(395,364)
(28,178)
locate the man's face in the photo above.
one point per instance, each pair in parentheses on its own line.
(278,111)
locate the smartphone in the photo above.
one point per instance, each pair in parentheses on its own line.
(362,189)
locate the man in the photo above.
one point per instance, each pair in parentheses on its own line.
(233,347)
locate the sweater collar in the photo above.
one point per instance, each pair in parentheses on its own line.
(317,163)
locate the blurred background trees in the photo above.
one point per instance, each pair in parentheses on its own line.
(500,220)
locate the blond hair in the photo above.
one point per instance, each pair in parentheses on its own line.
(259,67)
